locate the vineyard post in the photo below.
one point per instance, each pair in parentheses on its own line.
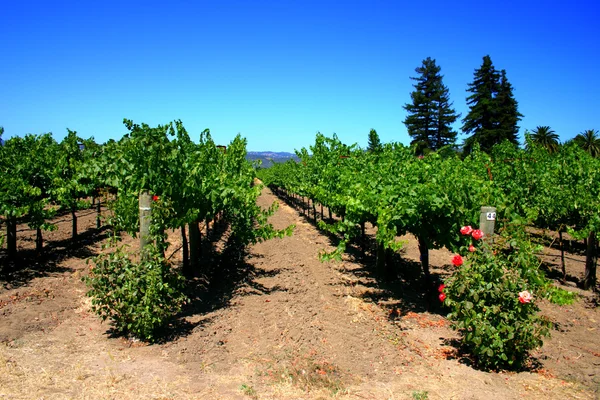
(98,213)
(11,237)
(194,229)
(145,202)
(487,220)
(589,278)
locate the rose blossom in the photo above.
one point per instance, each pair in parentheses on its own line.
(442,296)
(441,288)
(525,297)
(472,248)
(466,230)
(155,198)
(457,260)
(477,234)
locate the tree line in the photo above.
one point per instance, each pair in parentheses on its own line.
(493,115)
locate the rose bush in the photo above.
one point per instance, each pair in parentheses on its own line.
(492,305)
(139,298)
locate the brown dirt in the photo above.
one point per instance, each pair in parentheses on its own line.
(284,326)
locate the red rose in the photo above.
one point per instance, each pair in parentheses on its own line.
(457,260)
(441,288)
(442,297)
(472,248)
(477,234)
(466,230)
(155,198)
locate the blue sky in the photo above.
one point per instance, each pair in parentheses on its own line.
(279,71)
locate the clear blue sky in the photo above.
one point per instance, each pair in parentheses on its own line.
(279,71)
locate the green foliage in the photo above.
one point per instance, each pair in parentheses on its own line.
(70,181)
(560,296)
(430,115)
(420,395)
(248,390)
(139,298)
(484,298)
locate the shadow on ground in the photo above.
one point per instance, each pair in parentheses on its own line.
(224,274)
(30,265)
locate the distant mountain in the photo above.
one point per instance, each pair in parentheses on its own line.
(267,156)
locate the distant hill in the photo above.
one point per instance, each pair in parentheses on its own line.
(267,156)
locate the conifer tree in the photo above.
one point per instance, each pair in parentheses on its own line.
(493,114)
(430,115)
(374,145)
(507,111)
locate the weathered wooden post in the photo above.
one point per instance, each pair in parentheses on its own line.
(145,201)
(487,221)
(98,213)
(591,259)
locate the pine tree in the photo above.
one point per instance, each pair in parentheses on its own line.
(507,111)
(430,114)
(374,145)
(493,114)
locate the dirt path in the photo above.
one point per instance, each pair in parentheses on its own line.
(292,328)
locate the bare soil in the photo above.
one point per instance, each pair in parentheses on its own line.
(281,325)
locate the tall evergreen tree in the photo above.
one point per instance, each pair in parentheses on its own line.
(374,145)
(507,112)
(430,115)
(493,114)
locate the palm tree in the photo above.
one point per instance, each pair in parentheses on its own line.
(589,141)
(545,137)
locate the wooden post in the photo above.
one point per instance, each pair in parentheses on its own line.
(74,225)
(487,221)
(186,252)
(562,256)
(145,202)
(11,237)
(39,241)
(98,214)
(591,259)
(195,243)
(424,251)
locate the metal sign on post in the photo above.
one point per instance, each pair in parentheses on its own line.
(487,221)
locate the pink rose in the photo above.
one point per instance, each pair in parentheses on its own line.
(472,248)
(477,234)
(525,297)
(466,230)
